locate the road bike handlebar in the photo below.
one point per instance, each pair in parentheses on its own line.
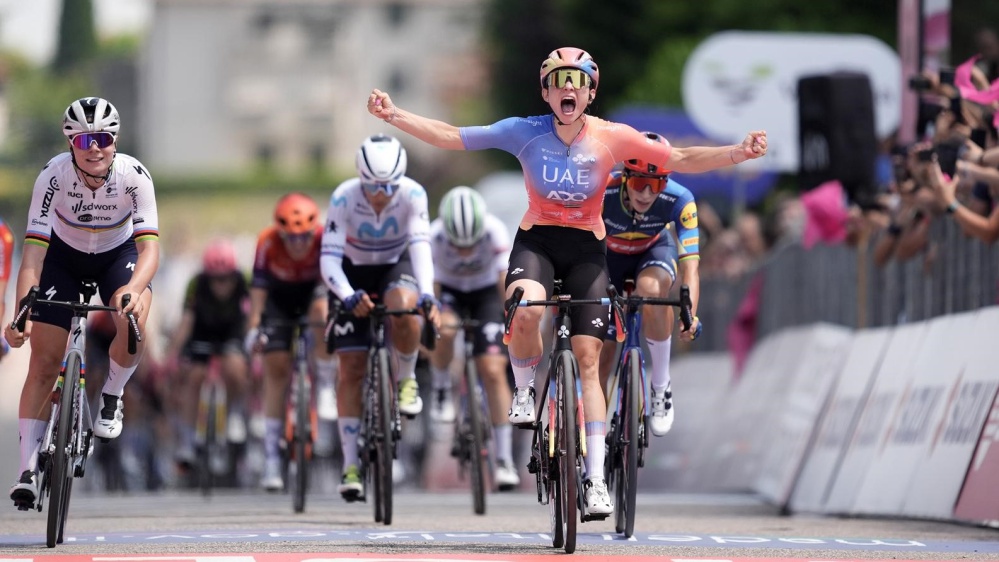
(79,309)
(428,336)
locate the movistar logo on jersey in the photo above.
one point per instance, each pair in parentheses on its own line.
(368,230)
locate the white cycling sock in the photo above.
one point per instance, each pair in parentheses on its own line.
(349,428)
(596,432)
(441,377)
(659,363)
(524,370)
(325,371)
(272,437)
(31,432)
(117,377)
(503,433)
(406,364)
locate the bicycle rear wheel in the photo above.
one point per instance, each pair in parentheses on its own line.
(477,453)
(626,492)
(209,410)
(384,440)
(62,473)
(567,450)
(300,437)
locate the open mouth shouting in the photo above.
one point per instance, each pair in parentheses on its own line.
(568,105)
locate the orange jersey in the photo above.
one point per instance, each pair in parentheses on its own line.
(6,251)
(273,264)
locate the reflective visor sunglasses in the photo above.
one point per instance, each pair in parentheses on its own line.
(640,183)
(560,76)
(374,188)
(83,141)
(297,238)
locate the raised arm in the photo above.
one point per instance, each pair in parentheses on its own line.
(696,159)
(431,131)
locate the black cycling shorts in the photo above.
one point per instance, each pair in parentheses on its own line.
(484,305)
(354,334)
(546,253)
(286,304)
(65,267)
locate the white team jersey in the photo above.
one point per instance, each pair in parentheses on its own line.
(484,261)
(353,230)
(92,220)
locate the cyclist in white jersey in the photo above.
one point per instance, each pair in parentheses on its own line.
(471,250)
(92,216)
(376,243)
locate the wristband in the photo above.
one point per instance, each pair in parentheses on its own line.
(952,207)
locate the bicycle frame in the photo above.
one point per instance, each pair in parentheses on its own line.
(472,425)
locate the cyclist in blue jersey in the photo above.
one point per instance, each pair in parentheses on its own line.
(641,207)
(566,157)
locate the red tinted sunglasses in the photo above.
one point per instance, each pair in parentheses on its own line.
(640,183)
(83,141)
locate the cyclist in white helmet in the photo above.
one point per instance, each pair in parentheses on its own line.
(471,248)
(376,243)
(92,216)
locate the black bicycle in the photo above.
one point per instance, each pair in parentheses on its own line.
(69,435)
(472,429)
(558,447)
(628,426)
(381,424)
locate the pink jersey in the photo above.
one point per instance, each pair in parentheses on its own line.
(566,183)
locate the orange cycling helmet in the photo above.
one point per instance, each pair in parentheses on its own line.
(570,57)
(296,213)
(219,258)
(645,168)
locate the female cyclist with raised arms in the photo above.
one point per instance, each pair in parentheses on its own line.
(92,216)
(566,157)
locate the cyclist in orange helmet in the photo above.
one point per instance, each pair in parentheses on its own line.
(286,285)
(566,156)
(213,324)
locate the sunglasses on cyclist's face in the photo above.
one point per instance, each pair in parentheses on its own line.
(83,141)
(640,183)
(298,238)
(374,188)
(561,76)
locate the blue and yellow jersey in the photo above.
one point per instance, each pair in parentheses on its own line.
(631,233)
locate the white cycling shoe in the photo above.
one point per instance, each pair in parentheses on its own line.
(522,409)
(596,497)
(661,420)
(111,419)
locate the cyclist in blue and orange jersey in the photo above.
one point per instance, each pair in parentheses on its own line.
(377,241)
(471,248)
(566,157)
(641,208)
(6,262)
(213,325)
(92,216)
(286,286)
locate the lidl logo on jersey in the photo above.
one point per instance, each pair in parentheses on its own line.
(368,230)
(688,217)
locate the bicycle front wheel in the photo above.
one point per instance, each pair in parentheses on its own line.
(626,491)
(475,440)
(301,436)
(567,450)
(62,473)
(384,440)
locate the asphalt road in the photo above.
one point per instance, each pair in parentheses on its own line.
(669,525)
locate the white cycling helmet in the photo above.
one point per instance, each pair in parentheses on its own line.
(381,160)
(463,212)
(90,115)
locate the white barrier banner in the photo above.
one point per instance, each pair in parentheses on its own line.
(805,394)
(973,380)
(877,403)
(867,349)
(917,413)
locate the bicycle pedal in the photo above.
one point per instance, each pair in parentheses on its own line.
(527,425)
(103,439)
(595,517)
(24,506)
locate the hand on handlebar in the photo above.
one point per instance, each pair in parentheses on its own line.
(434,310)
(14,336)
(695,329)
(131,304)
(359,304)
(254,341)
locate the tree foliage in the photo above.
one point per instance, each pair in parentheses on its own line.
(77,43)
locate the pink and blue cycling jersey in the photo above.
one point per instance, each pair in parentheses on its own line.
(566,183)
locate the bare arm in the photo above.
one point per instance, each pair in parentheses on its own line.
(258,297)
(431,131)
(696,159)
(145,268)
(27,277)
